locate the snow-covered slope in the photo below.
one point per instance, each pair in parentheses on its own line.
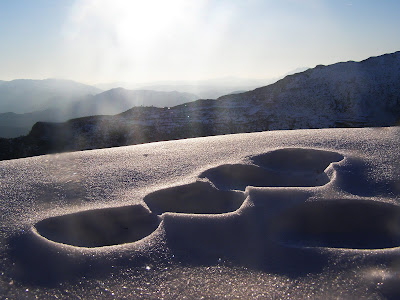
(285,214)
(363,93)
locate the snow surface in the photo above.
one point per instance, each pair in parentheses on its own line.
(284,214)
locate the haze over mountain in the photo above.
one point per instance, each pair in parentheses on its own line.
(74,100)
(14,125)
(106,103)
(347,94)
(28,95)
(205,89)
(119,99)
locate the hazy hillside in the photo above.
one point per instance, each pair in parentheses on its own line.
(206,89)
(117,100)
(350,94)
(27,95)
(107,103)
(14,125)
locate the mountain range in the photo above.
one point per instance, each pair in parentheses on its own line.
(28,95)
(205,89)
(346,94)
(110,102)
(23,102)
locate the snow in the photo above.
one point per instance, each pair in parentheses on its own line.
(284,214)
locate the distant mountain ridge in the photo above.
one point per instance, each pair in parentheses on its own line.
(106,103)
(348,94)
(117,100)
(28,95)
(209,89)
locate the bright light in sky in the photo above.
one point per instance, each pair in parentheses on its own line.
(96,41)
(144,39)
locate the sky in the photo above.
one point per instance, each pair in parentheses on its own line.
(101,41)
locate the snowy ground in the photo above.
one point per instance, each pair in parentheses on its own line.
(284,214)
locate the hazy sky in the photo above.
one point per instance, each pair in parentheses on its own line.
(96,41)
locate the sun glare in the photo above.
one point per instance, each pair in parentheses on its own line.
(125,34)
